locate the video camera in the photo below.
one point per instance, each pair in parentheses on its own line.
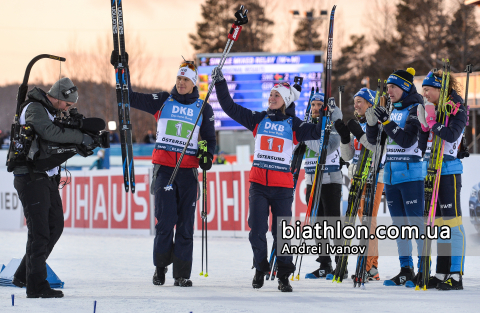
(92,126)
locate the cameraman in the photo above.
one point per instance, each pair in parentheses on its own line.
(38,191)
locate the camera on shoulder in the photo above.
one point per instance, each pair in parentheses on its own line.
(92,126)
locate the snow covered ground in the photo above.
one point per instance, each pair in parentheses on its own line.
(116,271)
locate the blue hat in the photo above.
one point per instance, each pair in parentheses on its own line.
(318,96)
(432,80)
(402,79)
(366,94)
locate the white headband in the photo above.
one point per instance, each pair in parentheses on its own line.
(188,73)
(289,94)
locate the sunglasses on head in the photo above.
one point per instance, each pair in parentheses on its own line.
(189,64)
(285,84)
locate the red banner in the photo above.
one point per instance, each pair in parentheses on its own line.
(97,200)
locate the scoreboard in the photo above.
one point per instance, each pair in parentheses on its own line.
(251,76)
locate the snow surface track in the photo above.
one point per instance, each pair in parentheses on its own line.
(117,272)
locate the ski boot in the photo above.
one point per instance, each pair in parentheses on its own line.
(412,283)
(372,274)
(159,276)
(321,272)
(433,281)
(452,282)
(182,282)
(258,279)
(406,274)
(284,284)
(46,293)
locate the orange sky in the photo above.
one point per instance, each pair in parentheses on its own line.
(29,27)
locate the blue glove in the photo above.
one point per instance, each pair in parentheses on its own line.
(381,114)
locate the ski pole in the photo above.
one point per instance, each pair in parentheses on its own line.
(341,89)
(205,221)
(202,148)
(202,215)
(232,37)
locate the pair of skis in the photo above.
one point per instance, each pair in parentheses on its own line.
(123,101)
(370,192)
(432,181)
(354,197)
(314,200)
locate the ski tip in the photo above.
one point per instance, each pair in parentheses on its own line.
(168,188)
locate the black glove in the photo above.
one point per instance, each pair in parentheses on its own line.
(205,161)
(88,141)
(355,128)
(343,131)
(206,158)
(217,75)
(241,16)
(381,113)
(114,59)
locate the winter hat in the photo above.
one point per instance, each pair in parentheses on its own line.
(402,79)
(288,93)
(432,81)
(64,90)
(189,71)
(366,94)
(318,96)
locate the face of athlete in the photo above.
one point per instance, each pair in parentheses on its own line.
(60,104)
(316,106)
(394,92)
(360,105)
(184,85)
(275,101)
(432,94)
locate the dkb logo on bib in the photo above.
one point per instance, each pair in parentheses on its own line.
(183,111)
(276,127)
